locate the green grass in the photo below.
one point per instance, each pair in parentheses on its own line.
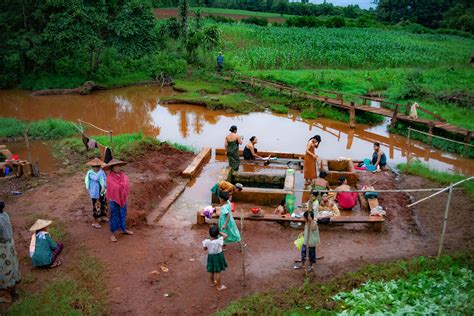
(251,47)
(127,147)
(417,168)
(279,108)
(44,129)
(80,292)
(317,296)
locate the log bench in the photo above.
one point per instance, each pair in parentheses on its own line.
(375,221)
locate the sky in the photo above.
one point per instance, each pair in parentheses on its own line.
(364,4)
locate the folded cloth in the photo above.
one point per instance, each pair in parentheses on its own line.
(377,211)
(208,211)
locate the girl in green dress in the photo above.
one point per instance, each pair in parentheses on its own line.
(232,142)
(215,259)
(226,220)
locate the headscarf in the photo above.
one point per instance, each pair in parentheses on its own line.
(118,188)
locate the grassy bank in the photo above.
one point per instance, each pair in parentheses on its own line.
(43,129)
(126,147)
(417,168)
(312,297)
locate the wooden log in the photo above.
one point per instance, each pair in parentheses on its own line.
(407,108)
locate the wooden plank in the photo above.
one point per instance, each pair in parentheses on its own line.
(195,166)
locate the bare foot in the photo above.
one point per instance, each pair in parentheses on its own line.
(222,287)
(113,238)
(96,225)
(56,264)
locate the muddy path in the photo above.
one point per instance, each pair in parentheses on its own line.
(136,285)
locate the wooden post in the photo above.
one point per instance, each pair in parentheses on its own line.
(242,247)
(111,142)
(467,140)
(352,116)
(364,101)
(394,117)
(430,131)
(342,101)
(445,222)
(407,109)
(408,146)
(350,138)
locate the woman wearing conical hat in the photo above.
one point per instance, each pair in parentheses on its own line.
(44,251)
(95,184)
(117,193)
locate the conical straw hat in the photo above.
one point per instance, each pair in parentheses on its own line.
(40,224)
(96,162)
(114,162)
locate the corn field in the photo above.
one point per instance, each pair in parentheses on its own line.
(254,47)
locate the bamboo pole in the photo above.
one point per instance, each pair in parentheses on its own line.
(100,129)
(441,191)
(408,146)
(445,222)
(443,138)
(306,242)
(242,247)
(378,191)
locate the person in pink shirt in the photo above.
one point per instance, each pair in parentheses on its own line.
(346,200)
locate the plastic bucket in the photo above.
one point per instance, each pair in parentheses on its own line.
(290,200)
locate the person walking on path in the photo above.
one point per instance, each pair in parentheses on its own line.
(215,258)
(310,159)
(117,191)
(95,181)
(44,252)
(220,62)
(226,220)
(9,269)
(232,142)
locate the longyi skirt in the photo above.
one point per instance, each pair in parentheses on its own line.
(216,263)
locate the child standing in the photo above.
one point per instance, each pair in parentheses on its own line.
(215,259)
(311,228)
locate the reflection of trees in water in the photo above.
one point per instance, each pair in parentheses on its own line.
(198,118)
(133,117)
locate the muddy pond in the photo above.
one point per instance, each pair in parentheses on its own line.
(138,108)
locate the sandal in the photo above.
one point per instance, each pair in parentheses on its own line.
(56,264)
(221,288)
(96,225)
(127,232)
(113,238)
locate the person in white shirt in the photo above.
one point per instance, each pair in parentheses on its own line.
(215,256)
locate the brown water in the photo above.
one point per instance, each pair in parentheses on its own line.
(138,108)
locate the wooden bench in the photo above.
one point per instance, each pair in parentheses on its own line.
(375,221)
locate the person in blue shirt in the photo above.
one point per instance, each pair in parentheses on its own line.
(379,160)
(220,62)
(95,184)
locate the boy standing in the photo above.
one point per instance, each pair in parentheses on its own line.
(311,238)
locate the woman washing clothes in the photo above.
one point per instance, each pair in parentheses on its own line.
(327,207)
(310,159)
(346,200)
(250,152)
(379,160)
(95,185)
(232,142)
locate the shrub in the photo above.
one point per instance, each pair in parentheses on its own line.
(255,20)
(279,108)
(304,21)
(220,19)
(336,22)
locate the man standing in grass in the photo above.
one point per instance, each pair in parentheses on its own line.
(220,62)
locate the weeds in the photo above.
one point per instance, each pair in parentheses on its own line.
(417,168)
(43,129)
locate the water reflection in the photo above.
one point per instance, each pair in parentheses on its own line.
(138,108)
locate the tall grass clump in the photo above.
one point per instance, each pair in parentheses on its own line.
(417,168)
(43,129)
(11,127)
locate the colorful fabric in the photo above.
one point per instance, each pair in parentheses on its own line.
(99,207)
(215,189)
(330,207)
(118,188)
(118,217)
(216,263)
(9,268)
(226,186)
(43,249)
(233,234)
(309,168)
(6,232)
(314,236)
(208,211)
(233,155)
(346,200)
(95,183)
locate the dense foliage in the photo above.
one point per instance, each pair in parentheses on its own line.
(44,129)
(253,47)
(427,293)
(62,43)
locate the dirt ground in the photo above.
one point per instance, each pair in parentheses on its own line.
(167,13)
(176,241)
